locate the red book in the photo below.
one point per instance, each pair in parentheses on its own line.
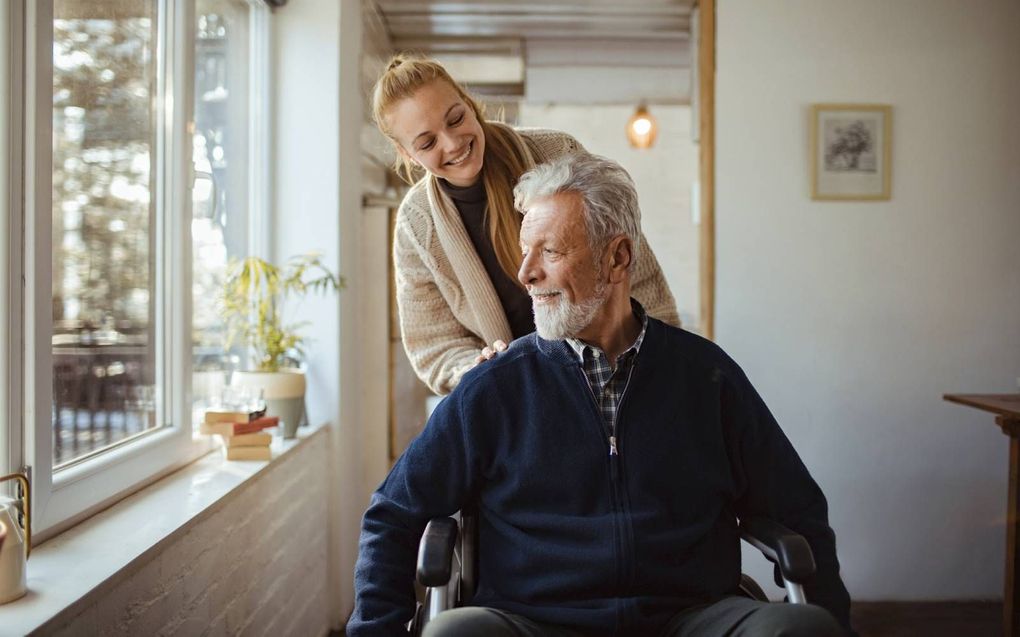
(236,428)
(255,425)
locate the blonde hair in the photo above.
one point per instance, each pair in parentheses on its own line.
(506,157)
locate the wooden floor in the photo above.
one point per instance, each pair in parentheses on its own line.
(930,619)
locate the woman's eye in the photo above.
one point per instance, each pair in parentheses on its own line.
(457,121)
(427,145)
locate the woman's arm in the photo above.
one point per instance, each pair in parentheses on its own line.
(649,286)
(440,349)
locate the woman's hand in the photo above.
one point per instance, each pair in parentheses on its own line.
(490,352)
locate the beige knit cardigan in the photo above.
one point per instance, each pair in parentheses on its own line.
(448,306)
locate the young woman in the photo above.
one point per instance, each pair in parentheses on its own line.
(456,243)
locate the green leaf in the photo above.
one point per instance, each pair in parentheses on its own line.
(252,303)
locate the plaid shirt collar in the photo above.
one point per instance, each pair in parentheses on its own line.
(608,382)
(580,346)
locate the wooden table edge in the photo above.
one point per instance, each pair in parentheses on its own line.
(979,401)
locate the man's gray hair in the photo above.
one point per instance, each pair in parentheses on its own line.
(607,191)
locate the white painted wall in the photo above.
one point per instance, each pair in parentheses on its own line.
(663,175)
(349,481)
(375,248)
(607,72)
(853,318)
(305,164)
(606,84)
(317,206)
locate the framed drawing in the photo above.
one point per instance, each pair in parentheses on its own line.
(851,148)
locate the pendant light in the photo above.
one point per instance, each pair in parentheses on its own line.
(642,128)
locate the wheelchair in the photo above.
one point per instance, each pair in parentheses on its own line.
(447,567)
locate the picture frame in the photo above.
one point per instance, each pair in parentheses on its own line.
(851,152)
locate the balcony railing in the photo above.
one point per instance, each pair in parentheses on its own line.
(103,390)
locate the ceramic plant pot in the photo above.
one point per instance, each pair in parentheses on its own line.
(284,392)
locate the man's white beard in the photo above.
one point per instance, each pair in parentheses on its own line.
(564,319)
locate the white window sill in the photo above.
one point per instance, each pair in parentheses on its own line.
(63,571)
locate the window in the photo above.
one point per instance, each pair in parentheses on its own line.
(137,173)
(220,222)
(104,226)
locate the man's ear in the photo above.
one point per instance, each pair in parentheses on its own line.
(620,255)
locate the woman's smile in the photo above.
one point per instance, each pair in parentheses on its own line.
(460,158)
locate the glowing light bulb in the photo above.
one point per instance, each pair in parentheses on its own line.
(642,126)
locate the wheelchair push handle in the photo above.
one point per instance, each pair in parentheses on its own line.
(790,552)
(435,552)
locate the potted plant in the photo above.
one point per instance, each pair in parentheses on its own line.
(252,307)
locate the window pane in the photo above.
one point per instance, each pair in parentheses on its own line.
(104,88)
(220,196)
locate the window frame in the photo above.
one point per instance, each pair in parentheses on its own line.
(62,498)
(11,124)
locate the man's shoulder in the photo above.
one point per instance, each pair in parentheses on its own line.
(680,344)
(517,367)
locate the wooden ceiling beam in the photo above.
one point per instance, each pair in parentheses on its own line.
(490,7)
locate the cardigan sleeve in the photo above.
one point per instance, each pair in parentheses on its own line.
(649,287)
(547,144)
(441,350)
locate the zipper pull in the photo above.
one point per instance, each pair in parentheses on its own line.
(612,446)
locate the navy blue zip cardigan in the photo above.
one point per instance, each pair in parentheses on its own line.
(571,535)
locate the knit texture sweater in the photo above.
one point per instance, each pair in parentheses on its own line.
(471,203)
(448,307)
(572,535)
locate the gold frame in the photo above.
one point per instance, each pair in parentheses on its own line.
(886,151)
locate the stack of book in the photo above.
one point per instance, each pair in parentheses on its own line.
(243,433)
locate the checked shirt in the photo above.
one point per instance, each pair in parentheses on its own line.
(608,381)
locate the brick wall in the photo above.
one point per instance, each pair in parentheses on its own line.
(252,564)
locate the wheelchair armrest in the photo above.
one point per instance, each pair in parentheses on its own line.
(435,552)
(788,551)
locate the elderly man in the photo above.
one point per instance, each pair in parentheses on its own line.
(609,455)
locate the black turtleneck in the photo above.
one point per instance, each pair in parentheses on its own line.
(471,203)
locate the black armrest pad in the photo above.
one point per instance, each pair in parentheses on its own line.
(435,552)
(790,552)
